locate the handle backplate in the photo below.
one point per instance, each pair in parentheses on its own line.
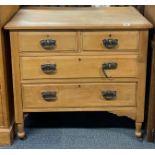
(111,65)
(109,94)
(110,43)
(48,44)
(49,95)
(48,68)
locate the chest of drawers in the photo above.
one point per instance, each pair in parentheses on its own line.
(79,60)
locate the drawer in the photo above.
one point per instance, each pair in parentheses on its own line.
(78,67)
(78,95)
(47,41)
(110,40)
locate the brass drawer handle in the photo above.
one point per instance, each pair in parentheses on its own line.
(49,96)
(48,44)
(110,43)
(109,94)
(48,68)
(109,66)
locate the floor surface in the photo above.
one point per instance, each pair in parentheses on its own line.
(79,130)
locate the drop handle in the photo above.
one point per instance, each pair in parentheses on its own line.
(109,95)
(49,96)
(110,43)
(48,68)
(108,66)
(48,44)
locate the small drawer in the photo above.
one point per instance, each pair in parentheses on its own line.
(110,40)
(78,95)
(47,41)
(78,67)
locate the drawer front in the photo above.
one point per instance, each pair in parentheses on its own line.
(78,67)
(78,95)
(110,40)
(47,41)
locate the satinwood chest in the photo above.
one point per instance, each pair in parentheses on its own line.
(84,59)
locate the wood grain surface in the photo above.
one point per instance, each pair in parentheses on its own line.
(80,18)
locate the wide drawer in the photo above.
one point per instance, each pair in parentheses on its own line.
(78,67)
(78,95)
(110,40)
(47,41)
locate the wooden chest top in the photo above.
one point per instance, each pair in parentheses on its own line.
(79,18)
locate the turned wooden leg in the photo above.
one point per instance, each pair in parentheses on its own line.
(20,131)
(138,131)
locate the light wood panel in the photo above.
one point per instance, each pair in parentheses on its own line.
(94,40)
(79,95)
(142,75)
(6,99)
(142,81)
(7,135)
(81,18)
(1,112)
(30,41)
(16,77)
(6,12)
(78,67)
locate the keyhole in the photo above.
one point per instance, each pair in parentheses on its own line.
(79,59)
(79,86)
(110,35)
